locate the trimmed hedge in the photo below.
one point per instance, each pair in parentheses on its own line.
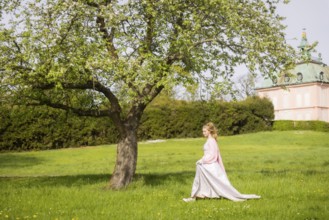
(28,128)
(284,125)
(185,119)
(41,127)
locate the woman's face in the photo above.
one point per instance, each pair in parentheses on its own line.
(205,132)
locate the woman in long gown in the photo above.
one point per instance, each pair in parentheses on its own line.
(210,179)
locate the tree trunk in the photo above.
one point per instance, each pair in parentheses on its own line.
(126,161)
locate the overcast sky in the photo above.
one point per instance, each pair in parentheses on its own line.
(313,15)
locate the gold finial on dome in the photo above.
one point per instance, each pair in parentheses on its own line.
(305,48)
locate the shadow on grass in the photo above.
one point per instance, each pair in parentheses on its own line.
(162,179)
(17,161)
(91,179)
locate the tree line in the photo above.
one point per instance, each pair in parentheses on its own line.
(42,127)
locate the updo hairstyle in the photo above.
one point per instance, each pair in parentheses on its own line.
(212,129)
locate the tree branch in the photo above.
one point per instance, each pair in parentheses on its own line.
(211,40)
(100,20)
(89,3)
(108,37)
(80,112)
(149,32)
(68,29)
(114,112)
(17,46)
(155,92)
(90,84)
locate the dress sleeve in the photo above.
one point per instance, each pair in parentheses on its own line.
(210,151)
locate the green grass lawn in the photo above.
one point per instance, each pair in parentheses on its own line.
(290,170)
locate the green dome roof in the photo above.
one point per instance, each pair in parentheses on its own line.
(305,72)
(310,69)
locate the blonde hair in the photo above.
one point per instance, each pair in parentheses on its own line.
(212,129)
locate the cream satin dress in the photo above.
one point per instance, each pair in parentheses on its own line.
(211,180)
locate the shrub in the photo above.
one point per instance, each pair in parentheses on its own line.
(41,127)
(284,125)
(179,119)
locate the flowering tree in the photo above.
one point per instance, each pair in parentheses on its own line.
(108,58)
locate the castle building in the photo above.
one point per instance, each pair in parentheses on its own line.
(302,93)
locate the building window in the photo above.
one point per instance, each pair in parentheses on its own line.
(299,77)
(307,99)
(299,100)
(321,76)
(286,101)
(286,78)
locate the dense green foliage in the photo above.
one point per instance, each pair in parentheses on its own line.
(100,54)
(112,58)
(289,169)
(185,119)
(285,125)
(41,127)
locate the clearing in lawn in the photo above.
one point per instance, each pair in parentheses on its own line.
(290,170)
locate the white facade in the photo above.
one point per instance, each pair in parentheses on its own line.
(300,94)
(300,102)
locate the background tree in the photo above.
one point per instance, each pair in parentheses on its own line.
(107,58)
(245,86)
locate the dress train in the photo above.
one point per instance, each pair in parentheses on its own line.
(211,182)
